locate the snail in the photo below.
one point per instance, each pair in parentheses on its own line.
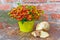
(43,26)
(44,34)
(42,30)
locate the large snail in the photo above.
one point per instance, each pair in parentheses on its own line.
(43,26)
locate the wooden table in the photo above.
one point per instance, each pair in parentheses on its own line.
(9,30)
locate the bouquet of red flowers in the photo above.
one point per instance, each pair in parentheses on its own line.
(25,13)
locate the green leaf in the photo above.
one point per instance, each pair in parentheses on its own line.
(42,12)
(24,20)
(18,3)
(29,7)
(29,12)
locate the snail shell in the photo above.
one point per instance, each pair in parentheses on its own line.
(43,26)
(44,34)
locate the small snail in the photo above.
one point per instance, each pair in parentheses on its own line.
(41,30)
(44,34)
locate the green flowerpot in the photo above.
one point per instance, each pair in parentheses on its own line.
(26,26)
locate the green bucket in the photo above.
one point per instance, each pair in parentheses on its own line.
(26,26)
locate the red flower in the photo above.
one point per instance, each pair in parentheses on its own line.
(29,17)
